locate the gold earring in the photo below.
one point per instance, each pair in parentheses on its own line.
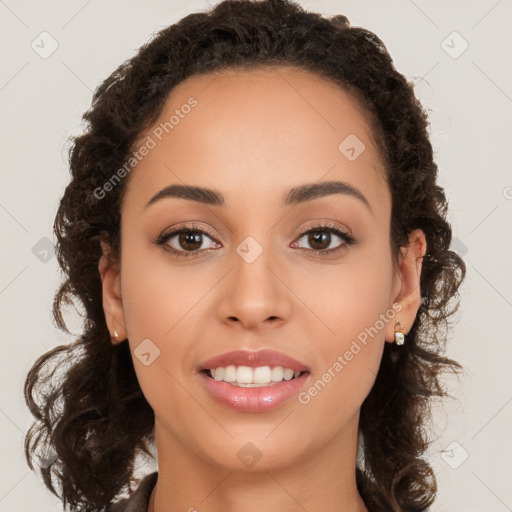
(399,333)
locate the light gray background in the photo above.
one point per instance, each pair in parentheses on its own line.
(470,99)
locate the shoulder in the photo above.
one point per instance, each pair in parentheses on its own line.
(138,501)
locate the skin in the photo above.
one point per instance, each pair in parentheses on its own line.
(252,136)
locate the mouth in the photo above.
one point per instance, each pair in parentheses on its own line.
(253,381)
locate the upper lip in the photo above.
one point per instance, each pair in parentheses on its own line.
(253,359)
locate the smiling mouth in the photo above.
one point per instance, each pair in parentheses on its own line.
(249,377)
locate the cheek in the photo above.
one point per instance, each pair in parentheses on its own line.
(161,303)
(352,310)
(346,298)
(158,295)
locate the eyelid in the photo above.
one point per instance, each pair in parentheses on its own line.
(322,224)
(187,226)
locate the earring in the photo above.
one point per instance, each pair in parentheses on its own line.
(115,334)
(399,334)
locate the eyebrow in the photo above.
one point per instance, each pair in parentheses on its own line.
(294,196)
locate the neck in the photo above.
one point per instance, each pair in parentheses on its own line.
(323,479)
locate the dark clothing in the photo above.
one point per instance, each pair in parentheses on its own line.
(139,499)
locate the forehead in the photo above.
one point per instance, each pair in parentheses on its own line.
(259,130)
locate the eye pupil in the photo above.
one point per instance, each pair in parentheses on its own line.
(190,240)
(319,237)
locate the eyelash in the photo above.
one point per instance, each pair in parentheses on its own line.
(192,228)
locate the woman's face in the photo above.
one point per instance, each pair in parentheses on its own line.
(250,280)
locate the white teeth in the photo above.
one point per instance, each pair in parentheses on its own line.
(277,373)
(246,376)
(230,373)
(288,374)
(262,375)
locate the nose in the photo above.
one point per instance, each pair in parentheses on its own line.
(254,294)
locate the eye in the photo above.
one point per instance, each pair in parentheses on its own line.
(186,242)
(320,238)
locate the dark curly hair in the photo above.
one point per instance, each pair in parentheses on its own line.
(92,413)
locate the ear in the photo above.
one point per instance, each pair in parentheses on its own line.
(111,291)
(406,284)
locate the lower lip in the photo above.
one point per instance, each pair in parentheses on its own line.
(259,399)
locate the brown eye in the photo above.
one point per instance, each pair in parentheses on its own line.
(190,241)
(321,239)
(187,241)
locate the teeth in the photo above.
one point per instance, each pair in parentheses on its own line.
(277,373)
(262,375)
(230,373)
(246,376)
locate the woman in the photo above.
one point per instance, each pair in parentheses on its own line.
(254,230)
